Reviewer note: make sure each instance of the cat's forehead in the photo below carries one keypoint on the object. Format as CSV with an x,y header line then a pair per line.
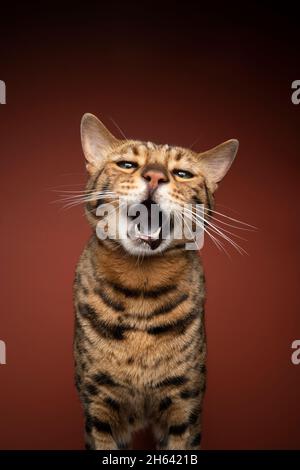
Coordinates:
x,y
152,152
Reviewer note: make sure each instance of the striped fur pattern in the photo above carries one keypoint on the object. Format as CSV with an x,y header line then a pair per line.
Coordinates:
x,y
140,348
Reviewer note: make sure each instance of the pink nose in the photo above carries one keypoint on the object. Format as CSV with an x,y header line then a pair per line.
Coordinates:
x,y
154,178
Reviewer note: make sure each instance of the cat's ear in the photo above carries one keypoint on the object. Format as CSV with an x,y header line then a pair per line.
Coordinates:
x,y
216,162
96,141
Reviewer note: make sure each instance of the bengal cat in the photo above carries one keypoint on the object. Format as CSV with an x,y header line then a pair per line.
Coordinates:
x,y
140,343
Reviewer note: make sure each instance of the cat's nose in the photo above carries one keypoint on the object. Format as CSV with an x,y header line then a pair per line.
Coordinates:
x,y
154,178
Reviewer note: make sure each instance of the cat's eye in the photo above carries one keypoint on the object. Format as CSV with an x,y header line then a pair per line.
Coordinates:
x,y
127,165
183,174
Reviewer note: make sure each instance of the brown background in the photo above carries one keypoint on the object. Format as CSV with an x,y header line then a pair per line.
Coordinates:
x,y
170,76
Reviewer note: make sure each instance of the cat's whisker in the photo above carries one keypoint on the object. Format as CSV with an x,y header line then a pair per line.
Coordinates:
x,y
180,217
217,242
77,193
95,194
194,143
186,225
82,198
119,128
85,195
228,239
69,190
82,191
59,188
200,220
211,217
78,203
215,225
228,208
234,220
137,259
228,231
108,214
85,199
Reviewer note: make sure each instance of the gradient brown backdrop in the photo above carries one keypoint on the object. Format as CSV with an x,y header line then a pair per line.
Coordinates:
x,y
171,76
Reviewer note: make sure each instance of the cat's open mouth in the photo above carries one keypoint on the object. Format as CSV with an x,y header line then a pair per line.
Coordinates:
x,y
149,225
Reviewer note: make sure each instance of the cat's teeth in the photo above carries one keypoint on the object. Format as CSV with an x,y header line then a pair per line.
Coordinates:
x,y
156,233
136,231
139,234
145,236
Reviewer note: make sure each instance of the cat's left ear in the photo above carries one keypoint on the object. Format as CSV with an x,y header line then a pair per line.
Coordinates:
x,y
96,141
216,162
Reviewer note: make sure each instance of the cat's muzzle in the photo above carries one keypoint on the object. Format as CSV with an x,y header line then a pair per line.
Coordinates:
x,y
150,225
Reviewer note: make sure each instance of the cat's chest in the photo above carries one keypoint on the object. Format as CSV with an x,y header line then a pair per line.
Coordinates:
x,y
141,360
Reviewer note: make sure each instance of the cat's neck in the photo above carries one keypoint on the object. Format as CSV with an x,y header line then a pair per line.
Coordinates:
x,y
115,265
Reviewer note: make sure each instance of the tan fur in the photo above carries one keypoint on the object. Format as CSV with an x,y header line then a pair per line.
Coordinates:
x,y
140,338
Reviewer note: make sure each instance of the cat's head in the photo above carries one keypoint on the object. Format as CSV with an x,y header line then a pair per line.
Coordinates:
x,y
134,172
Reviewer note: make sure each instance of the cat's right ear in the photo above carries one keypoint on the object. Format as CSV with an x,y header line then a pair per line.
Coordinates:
x,y
96,141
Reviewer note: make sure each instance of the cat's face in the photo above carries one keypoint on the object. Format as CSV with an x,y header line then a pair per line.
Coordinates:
x,y
156,176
